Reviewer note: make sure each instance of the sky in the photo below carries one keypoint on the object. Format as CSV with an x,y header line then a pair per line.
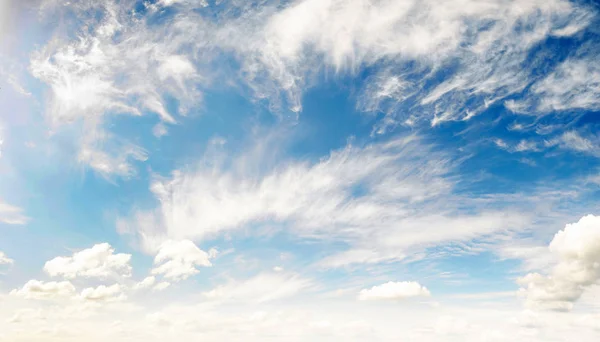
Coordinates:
x,y
308,170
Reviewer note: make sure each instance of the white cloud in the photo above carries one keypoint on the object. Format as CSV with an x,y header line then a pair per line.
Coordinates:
x,y
5,260
107,164
121,63
160,130
405,200
25,315
577,248
100,261
572,140
484,42
574,85
103,293
9,214
35,289
264,287
394,291
145,283
119,66
161,286
178,260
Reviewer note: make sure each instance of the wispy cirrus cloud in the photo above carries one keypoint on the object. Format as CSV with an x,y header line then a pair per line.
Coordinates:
x,y
10,214
123,64
382,200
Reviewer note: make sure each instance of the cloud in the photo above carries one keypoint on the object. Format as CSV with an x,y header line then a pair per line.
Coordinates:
x,y
118,65
382,199
26,315
264,287
103,293
577,248
35,289
5,260
573,85
178,260
163,285
394,291
316,195
118,62
482,47
160,130
10,214
145,283
99,261
571,140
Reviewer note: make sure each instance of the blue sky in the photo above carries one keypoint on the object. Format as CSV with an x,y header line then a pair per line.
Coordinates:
x,y
310,170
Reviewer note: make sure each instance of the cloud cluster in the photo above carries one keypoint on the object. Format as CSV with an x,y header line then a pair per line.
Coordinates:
x,y
483,45
35,289
577,248
103,293
99,261
428,62
178,260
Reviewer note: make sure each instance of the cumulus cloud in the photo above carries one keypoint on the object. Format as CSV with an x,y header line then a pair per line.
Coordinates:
x,y
9,214
178,260
577,248
394,291
145,283
35,289
264,287
99,261
5,260
103,293
163,285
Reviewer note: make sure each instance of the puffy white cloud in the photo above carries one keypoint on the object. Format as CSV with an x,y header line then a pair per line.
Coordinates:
x,y
394,291
577,248
35,289
145,283
99,261
264,287
163,285
9,214
178,260
103,293
5,260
